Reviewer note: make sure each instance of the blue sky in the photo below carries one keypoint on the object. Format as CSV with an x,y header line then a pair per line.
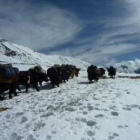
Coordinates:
x,y
98,31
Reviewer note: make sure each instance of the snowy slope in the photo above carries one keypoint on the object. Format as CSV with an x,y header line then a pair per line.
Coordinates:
x,y
28,57
77,110
106,110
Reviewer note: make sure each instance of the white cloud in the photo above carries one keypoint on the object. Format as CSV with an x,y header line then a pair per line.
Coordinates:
x,y
114,40
48,26
38,28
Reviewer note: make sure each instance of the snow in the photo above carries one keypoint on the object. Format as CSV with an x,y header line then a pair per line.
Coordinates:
x,y
131,66
5,59
105,110
29,57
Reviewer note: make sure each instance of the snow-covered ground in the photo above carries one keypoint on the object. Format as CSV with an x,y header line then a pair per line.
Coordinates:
x,y
77,110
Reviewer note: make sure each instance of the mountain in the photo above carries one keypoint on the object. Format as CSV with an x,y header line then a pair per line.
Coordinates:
x,y
128,66
76,110
19,55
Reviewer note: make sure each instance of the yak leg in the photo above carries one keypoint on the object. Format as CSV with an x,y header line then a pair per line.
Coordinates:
x,y
52,85
27,86
40,83
2,98
19,89
12,90
10,93
36,86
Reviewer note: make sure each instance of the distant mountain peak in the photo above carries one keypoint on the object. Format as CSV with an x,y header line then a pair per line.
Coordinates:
x,y
128,66
2,40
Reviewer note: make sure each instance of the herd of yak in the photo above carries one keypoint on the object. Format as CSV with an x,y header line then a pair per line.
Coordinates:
x,y
11,78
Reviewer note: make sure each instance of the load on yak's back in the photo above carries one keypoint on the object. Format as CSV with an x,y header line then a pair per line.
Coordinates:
x,y
7,76
6,72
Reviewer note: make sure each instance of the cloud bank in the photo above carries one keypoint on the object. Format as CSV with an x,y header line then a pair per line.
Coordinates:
x,y
37,26
119,36
96,31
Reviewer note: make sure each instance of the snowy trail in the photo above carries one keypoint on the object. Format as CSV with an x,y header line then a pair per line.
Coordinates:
x,y
106,110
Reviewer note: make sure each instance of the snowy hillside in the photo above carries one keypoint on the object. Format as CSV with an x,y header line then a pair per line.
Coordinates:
x,y
105,110
19,55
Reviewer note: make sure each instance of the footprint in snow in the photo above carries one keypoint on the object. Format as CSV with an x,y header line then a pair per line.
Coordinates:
x,y
48,137
83,139
19,113
127,92
23,119
70,109
14,136
41,110
113,136
134,106
27,125
126,126
113,107
91,123
97,104
114,113
81,108
8,116
99,116
38,126
47,114
104,96
85,112
90,133
110,137
53,132
94,98
121,126
79,104
90,108
30,137
83,120
77,119
96,108
127,108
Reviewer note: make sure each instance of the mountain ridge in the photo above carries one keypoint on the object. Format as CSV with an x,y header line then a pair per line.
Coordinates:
x,y
17,54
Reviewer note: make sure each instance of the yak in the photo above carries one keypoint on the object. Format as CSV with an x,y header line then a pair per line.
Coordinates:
x,y
102,72
55,75
32,77
8,77
93,73
111,71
